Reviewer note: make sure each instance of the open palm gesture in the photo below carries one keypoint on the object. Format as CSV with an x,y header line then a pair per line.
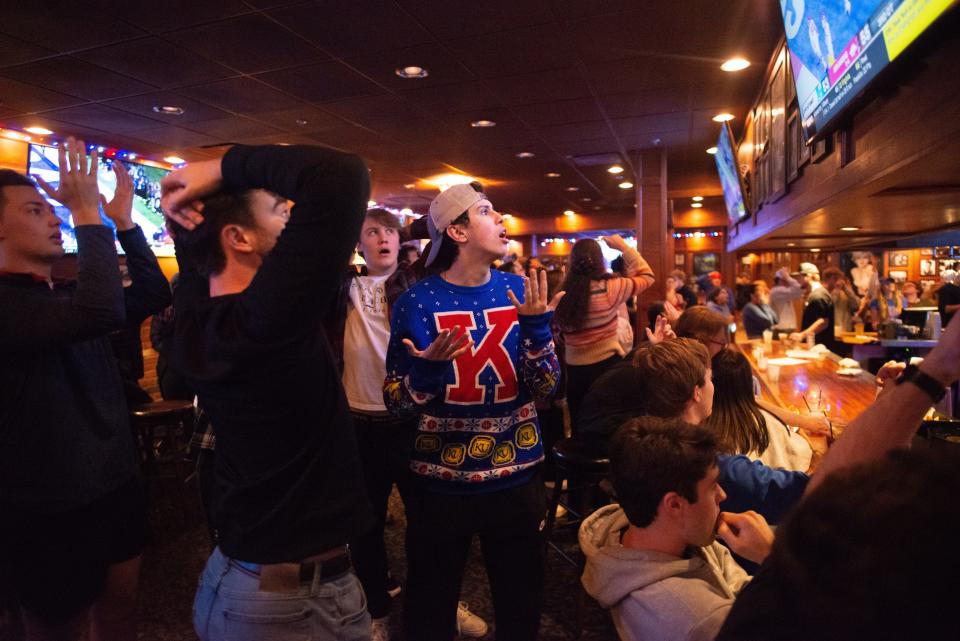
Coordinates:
x,y
120,209
535,295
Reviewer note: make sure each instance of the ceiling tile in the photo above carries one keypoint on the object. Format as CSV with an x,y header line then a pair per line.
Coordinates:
x,y
156,62
314,119
576,131
101,117
14,51
559,112
157,17
376,109
524,50
67,27
334,27
653,125
19,97
76,78
455,20
250,44
323,82
539,87
233,128
242,96
174,138
143,105
453,99
643,103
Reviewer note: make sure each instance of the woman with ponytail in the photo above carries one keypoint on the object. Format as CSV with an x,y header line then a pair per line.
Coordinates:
x,y
588,314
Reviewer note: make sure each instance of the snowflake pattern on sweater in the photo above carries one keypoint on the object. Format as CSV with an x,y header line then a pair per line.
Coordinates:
x,y
478,427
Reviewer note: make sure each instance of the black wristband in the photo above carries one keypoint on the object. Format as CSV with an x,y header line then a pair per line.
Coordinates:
x,y
925,382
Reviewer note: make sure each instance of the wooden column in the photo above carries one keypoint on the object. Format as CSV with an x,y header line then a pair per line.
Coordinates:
x,y
654,241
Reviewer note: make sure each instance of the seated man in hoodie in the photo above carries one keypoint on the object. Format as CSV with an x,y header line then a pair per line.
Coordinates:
x,y
654,559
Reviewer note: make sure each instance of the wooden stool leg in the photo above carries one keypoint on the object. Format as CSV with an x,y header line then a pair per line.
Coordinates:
x,y
558,479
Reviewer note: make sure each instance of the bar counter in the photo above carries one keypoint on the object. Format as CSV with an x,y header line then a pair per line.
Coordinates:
x,y
843,398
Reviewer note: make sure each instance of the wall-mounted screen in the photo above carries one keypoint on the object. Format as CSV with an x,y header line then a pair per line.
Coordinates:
x,y
44,162
837,47
726,159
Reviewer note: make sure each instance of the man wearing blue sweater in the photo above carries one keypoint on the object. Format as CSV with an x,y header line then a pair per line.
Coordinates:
x,y
471,359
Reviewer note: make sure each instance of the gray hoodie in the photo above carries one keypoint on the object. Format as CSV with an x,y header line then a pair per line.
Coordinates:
x,y
654,595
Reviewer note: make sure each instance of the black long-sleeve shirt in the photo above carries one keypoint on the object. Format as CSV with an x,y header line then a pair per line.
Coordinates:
x,y
64,427
287,471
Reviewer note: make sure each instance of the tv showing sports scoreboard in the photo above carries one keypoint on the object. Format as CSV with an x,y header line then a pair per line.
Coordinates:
x,y
730,179
44,162
837,47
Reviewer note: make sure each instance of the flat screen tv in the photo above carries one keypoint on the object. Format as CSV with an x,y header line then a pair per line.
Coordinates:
x,y
730,179
837,47
44,162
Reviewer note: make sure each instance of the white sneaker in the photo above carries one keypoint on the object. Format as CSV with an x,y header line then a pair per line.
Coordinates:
x,y
380,629
468,623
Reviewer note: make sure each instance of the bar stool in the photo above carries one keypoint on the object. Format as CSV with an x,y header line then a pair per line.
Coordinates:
x,y
581,463
160,428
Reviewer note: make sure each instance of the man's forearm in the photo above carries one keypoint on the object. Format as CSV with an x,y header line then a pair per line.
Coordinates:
x,y
815,328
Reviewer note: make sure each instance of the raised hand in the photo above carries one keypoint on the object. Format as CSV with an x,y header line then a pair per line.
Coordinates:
x,y
615,241
535,295
671,313
662,331
181,191
78,189
120,209
747,534
447,346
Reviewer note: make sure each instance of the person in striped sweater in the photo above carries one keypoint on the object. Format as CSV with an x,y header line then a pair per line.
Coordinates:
x,y
589,314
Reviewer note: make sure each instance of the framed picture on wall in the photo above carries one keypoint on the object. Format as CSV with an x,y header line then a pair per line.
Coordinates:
x,y
679,259
898,275
928,267
898,259
705,262
947,263
926,251
793,143
778,133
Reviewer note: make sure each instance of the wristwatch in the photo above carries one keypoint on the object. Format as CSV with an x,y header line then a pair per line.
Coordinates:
x,y
927,383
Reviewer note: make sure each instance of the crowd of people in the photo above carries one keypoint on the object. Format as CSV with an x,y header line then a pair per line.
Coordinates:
x,y
322,387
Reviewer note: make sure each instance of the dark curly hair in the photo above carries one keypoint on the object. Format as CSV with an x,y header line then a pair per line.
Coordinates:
x,y
202,244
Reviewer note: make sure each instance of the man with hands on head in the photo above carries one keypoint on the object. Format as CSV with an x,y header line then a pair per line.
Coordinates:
x,y
255,281
73,509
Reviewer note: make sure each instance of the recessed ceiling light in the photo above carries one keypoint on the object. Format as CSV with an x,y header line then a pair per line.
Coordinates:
x,y
697,199
791,244
525,154
406,211
410,186
615,169
101,149
301,121
712,150
168,110
735,64
482,124
412,71
40,131
371,203
851,228
815,250
573,189
625,185
724,117
552,174
174,160
586,199
568,212
131,156
695,205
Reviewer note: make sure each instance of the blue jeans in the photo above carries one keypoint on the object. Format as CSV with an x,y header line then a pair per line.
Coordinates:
x,y
229,606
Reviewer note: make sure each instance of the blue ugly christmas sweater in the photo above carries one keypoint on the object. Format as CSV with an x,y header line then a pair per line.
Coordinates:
x,y
478,428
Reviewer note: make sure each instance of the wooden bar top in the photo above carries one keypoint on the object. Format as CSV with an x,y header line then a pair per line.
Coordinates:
x,y
843,397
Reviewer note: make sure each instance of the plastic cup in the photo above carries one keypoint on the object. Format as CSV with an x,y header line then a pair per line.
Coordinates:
x,y
773,372
768,337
